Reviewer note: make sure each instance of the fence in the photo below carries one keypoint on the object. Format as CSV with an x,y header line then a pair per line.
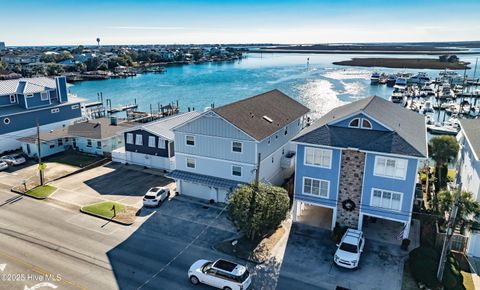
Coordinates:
x,y
458,242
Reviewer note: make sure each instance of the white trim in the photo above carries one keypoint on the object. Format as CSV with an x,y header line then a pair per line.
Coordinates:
x,y
14,98
362,112
43,107
194,163
391,198
55,110
29,96
241,171
186,140
323,152
6,121
131,140
241,147
45,93
469,143
214,159
150,145
320,181
351,126
382,217
404,177
366,119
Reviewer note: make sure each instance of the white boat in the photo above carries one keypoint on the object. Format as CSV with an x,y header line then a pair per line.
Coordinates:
x,y
398,97
420,78
375,78
427,107
454,108
444,130
401,83
391,80
429,119
474,111
426,91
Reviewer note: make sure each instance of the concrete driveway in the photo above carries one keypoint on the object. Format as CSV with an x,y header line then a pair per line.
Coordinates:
x,y
113,181
309,258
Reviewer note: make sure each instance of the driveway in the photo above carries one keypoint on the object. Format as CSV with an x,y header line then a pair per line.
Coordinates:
x,y
308,259
113,181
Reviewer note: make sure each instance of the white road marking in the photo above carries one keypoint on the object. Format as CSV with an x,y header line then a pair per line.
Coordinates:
x,y
40,285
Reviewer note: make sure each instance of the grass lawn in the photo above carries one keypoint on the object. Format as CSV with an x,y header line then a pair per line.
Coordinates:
x,y
467,281
104,208
41,191
73,158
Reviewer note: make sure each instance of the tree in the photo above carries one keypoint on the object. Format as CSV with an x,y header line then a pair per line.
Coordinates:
x,y
271,206
442,150
3,65
468,207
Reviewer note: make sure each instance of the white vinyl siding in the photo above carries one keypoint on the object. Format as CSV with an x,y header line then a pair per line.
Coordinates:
x,y
386,199
390,167
318,157
316,187
151,141
190,163
236,170
138,139
129,138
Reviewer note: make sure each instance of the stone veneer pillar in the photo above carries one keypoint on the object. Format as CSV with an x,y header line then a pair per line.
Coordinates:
x,y
350,186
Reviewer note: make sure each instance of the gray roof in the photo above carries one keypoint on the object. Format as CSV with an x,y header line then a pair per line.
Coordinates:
x,y
204,179
98,129
248,114
33,85
407,126
163,127
471,129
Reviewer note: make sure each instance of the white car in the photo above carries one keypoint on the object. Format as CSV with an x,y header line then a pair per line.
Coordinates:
x,y
13,159
220,274
349,249
3,165
155,195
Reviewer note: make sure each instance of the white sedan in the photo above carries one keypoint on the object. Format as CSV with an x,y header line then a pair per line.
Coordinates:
x,y
155,196
3,165
13,159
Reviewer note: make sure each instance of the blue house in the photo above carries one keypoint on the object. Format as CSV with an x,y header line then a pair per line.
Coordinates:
x,y
359,162
24,102
223,147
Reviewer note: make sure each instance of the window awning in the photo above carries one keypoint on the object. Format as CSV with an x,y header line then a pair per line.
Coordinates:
x,y
204,179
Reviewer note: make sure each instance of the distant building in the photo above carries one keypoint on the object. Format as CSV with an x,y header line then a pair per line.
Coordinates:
x,y
2,45
152,145
98,136
20,59
24,102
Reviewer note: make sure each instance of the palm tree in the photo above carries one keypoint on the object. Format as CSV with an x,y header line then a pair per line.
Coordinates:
x,y
442,150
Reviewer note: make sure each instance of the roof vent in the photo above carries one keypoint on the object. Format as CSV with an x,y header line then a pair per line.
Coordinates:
x,y
268,119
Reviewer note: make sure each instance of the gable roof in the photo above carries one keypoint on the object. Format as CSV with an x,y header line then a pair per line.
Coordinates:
x,y
163,127
26,85
406,124
471,129
262,115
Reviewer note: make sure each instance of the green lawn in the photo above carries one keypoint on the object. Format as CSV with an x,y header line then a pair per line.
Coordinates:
x,y
104,208
41,191
73,158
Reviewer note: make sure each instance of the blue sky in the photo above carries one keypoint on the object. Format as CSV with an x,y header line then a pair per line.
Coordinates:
x,y
52,22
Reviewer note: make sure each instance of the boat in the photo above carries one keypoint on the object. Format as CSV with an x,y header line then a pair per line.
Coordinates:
x,y
375,78
383,79
391,80
400,83
420,78
428,107
429,119
398,97
446,92
426,91
445,129
474,111
453,108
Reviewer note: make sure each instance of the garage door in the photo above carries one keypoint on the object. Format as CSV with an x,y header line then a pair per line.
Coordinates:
x,y
195,190
223,195
137,158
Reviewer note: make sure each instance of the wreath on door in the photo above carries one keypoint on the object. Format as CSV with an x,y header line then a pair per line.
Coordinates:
x,y
348,205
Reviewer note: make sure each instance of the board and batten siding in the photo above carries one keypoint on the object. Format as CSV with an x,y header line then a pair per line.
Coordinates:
x,y
330,174
469,169
406,187
278,139
145,149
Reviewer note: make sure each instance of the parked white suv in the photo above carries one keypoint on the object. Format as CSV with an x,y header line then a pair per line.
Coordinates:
x,y
349,249
155,195
220,274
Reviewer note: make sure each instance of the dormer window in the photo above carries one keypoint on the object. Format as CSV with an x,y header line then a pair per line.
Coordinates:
x,y
366,124
355,123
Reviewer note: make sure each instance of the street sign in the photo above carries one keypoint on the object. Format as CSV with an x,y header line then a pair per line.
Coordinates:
x,y
42,166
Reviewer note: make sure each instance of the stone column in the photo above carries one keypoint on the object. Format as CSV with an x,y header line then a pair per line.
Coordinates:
x,y
350,188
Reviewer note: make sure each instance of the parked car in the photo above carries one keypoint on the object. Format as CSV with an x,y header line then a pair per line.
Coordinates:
x,y
3,165
13,159
349,249
155,196
220,274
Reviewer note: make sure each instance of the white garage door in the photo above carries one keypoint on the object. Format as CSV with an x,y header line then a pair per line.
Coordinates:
x,y
195,190
223,195
474,245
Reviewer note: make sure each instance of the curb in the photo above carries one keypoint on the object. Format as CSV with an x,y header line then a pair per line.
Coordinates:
x,y
28,195
105,218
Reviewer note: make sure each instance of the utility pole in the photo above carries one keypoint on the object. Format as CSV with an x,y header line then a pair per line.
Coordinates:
x,y
255,188
40,167
427,175
449,234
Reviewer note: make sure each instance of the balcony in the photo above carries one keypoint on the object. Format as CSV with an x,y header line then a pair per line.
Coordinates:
x,y
288,160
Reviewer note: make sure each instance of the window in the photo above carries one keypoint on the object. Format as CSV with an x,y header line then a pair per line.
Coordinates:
x,y
6,121
129,138
318,157
237,146
390,167
74,107
386,199
286,131
151,141
29,95
13,99
316,187
138,139
89,143
366,124
355,123
269,141
99,144
161,143
44,96
52,145
60,142
56,110
190,140
236,170
190,163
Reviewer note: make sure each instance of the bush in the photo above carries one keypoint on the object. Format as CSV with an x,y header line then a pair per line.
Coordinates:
x,y
423,264
338,232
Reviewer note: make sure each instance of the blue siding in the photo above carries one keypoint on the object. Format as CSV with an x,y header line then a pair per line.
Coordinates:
x,y
27,119
5,100
145,149
21,100
375,125
318,173
406,187
36,101
62,89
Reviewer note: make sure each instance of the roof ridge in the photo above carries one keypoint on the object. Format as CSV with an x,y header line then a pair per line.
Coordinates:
x,y
248,98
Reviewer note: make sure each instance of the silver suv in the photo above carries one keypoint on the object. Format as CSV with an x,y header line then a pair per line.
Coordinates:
x,y
349,249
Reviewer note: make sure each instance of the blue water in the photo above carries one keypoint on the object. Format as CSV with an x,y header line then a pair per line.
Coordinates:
x,y
320,85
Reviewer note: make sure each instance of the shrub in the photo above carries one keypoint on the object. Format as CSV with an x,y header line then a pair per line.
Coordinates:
x,y
338,232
